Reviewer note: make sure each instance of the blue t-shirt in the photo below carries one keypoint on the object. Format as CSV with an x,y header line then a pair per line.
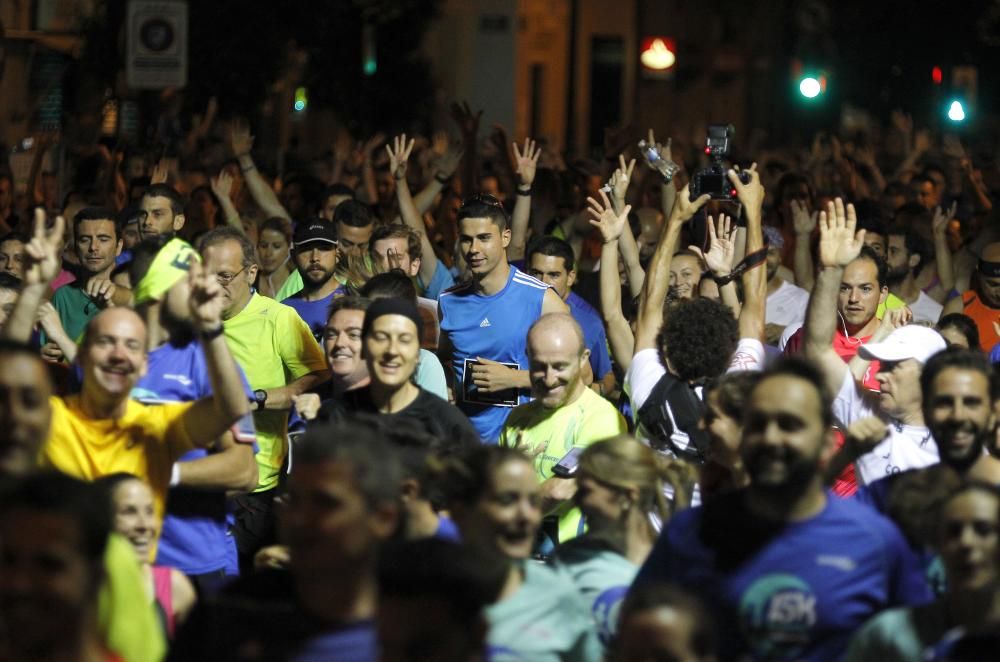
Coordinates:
x,y
314,313
440,281
447,530
353,643
787,590
593,334
195,538
493,327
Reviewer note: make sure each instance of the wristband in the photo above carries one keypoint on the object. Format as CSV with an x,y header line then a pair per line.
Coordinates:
x,y
525,193
723,280
211,334
441,179
175,474
248,168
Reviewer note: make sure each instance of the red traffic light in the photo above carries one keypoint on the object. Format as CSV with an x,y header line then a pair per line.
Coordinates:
x,y
936,75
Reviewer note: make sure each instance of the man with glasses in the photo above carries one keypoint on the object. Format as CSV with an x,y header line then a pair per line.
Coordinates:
x,y
281,359
484,322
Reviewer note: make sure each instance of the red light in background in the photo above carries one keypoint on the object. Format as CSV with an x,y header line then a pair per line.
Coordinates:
x,y
936,75
658,54
708,150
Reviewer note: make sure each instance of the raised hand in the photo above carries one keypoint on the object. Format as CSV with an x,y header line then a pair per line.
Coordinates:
x,y
921,141
605,219
399,153
750,194
721,246
446,164
838,242
160,172
240,139
865,434
526,161
902,122
662,148
620,179
467,121
42,252
207,298
685,207
803,222
942,218
368,148
222,185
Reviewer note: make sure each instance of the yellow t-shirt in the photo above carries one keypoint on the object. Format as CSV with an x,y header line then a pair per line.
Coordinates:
x,y
588,419
274,346
892,302
146,441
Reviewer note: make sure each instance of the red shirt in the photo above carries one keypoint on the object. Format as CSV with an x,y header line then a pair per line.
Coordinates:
x,y
846,347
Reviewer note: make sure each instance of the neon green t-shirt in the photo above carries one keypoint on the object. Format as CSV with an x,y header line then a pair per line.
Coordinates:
x,y
588,419
292,285
126,619
274,347
892,302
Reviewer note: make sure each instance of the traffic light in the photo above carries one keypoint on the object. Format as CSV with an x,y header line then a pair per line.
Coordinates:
x,y
301,99
812,86
956,111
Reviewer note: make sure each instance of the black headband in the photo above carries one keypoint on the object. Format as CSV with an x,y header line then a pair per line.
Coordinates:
x,y
392,306
989,269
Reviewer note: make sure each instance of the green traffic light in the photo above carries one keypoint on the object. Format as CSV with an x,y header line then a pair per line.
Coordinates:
x,y
956,111
810,87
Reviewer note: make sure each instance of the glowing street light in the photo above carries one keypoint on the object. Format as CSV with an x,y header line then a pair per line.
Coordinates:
x,y
658,55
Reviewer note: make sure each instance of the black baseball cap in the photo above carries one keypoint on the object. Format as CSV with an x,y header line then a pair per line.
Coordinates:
x,y
315,229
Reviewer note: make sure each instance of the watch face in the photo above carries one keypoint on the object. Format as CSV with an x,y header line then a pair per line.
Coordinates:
x,y
260,395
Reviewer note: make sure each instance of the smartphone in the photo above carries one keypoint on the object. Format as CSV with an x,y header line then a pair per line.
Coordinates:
x,y
566,467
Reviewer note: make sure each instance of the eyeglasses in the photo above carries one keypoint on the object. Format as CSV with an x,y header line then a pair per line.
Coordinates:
x,y
226,279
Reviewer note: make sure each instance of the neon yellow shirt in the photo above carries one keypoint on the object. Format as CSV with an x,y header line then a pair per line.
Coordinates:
x,y
126,619
274,347
146,441
892,302
588,419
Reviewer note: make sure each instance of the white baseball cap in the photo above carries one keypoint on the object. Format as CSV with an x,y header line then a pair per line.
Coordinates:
x,y
912,341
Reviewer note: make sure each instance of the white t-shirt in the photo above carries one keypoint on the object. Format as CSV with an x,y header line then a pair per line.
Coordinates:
x,y
926,309
787,305
906,447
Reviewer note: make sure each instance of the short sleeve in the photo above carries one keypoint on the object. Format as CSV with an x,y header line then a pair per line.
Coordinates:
x,y
440,281
430,375
849,404
296,345
645,371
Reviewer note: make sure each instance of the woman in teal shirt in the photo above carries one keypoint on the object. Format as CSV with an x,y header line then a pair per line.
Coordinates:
x,y
495,500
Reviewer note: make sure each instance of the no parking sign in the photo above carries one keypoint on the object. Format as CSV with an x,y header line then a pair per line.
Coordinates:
x,y
156,52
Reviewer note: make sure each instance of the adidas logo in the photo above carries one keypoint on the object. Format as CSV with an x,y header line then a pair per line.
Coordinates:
x,y
485,323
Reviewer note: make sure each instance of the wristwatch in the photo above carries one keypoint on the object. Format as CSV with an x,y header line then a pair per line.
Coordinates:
x,y
260,397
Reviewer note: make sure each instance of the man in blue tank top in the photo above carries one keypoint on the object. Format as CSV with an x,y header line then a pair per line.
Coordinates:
x,y
485,322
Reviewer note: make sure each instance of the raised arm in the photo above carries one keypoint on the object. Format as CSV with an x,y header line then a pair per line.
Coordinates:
x,y
942,256
612,223
752,314
719,259
241,142
468,124
527,163
399,154
804,223
619,182
838,246
654,289
668,191
42,265
444,170
210,417
221,187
